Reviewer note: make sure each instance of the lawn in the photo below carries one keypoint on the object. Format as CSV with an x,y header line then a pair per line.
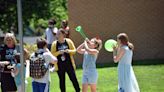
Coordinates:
x,y
150,79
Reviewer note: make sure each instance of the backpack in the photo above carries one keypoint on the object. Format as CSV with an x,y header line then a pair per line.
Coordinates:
x,y
38,66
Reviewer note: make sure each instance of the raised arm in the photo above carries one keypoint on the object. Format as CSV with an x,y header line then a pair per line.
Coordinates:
x,y
89,50
118,56
81,49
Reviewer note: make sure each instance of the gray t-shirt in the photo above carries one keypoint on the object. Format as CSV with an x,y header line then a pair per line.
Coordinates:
x,y
48,58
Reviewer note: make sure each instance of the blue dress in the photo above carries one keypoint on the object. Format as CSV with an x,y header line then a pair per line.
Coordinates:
x,y
126,78
17,78
90,74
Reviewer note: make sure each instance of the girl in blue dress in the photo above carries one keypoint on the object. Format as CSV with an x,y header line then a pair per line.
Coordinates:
x,y
123,55
90,50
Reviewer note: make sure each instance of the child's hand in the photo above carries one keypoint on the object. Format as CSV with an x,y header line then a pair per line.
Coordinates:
x,y
13,72
86,39
114,47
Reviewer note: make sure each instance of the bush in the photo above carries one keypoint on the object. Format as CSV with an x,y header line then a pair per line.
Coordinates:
x,y
31,48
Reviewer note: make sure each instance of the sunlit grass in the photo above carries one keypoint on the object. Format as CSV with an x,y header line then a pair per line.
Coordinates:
x,y
150,79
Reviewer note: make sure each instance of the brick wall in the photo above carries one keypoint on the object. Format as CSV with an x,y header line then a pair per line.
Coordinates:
x,y
142,20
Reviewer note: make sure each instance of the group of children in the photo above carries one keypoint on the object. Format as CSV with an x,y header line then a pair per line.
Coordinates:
x,y
122,54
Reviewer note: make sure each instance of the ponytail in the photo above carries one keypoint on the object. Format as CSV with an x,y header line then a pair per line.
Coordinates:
x,y
131,46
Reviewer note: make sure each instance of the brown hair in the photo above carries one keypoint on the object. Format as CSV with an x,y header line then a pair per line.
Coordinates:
x,y
98,43
65,22
52,21
41,43
123,37
62,31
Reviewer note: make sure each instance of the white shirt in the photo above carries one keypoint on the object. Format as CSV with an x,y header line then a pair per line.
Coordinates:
x,y
48,58
50,36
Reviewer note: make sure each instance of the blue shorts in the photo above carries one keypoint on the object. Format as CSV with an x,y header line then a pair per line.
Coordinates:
x,y
40,87
89,76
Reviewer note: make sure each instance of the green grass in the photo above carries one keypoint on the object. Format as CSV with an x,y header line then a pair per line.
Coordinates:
x,y
150,79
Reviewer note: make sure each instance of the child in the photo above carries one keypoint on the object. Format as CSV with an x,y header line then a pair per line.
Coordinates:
x,y
123,54
17,68
90,49
41,84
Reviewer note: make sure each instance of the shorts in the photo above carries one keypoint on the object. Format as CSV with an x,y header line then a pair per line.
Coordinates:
x,y
89,76
40,87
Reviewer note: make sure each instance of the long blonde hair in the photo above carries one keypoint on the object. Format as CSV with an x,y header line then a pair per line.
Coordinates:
x,y
10,35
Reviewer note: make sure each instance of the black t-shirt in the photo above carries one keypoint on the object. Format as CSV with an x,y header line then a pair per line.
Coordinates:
x,y
7,54
65,57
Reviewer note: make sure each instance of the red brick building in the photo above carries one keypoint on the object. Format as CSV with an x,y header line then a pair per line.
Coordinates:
x,y
142,20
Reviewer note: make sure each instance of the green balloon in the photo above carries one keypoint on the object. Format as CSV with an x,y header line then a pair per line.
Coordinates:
x,y
78,28
109,44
